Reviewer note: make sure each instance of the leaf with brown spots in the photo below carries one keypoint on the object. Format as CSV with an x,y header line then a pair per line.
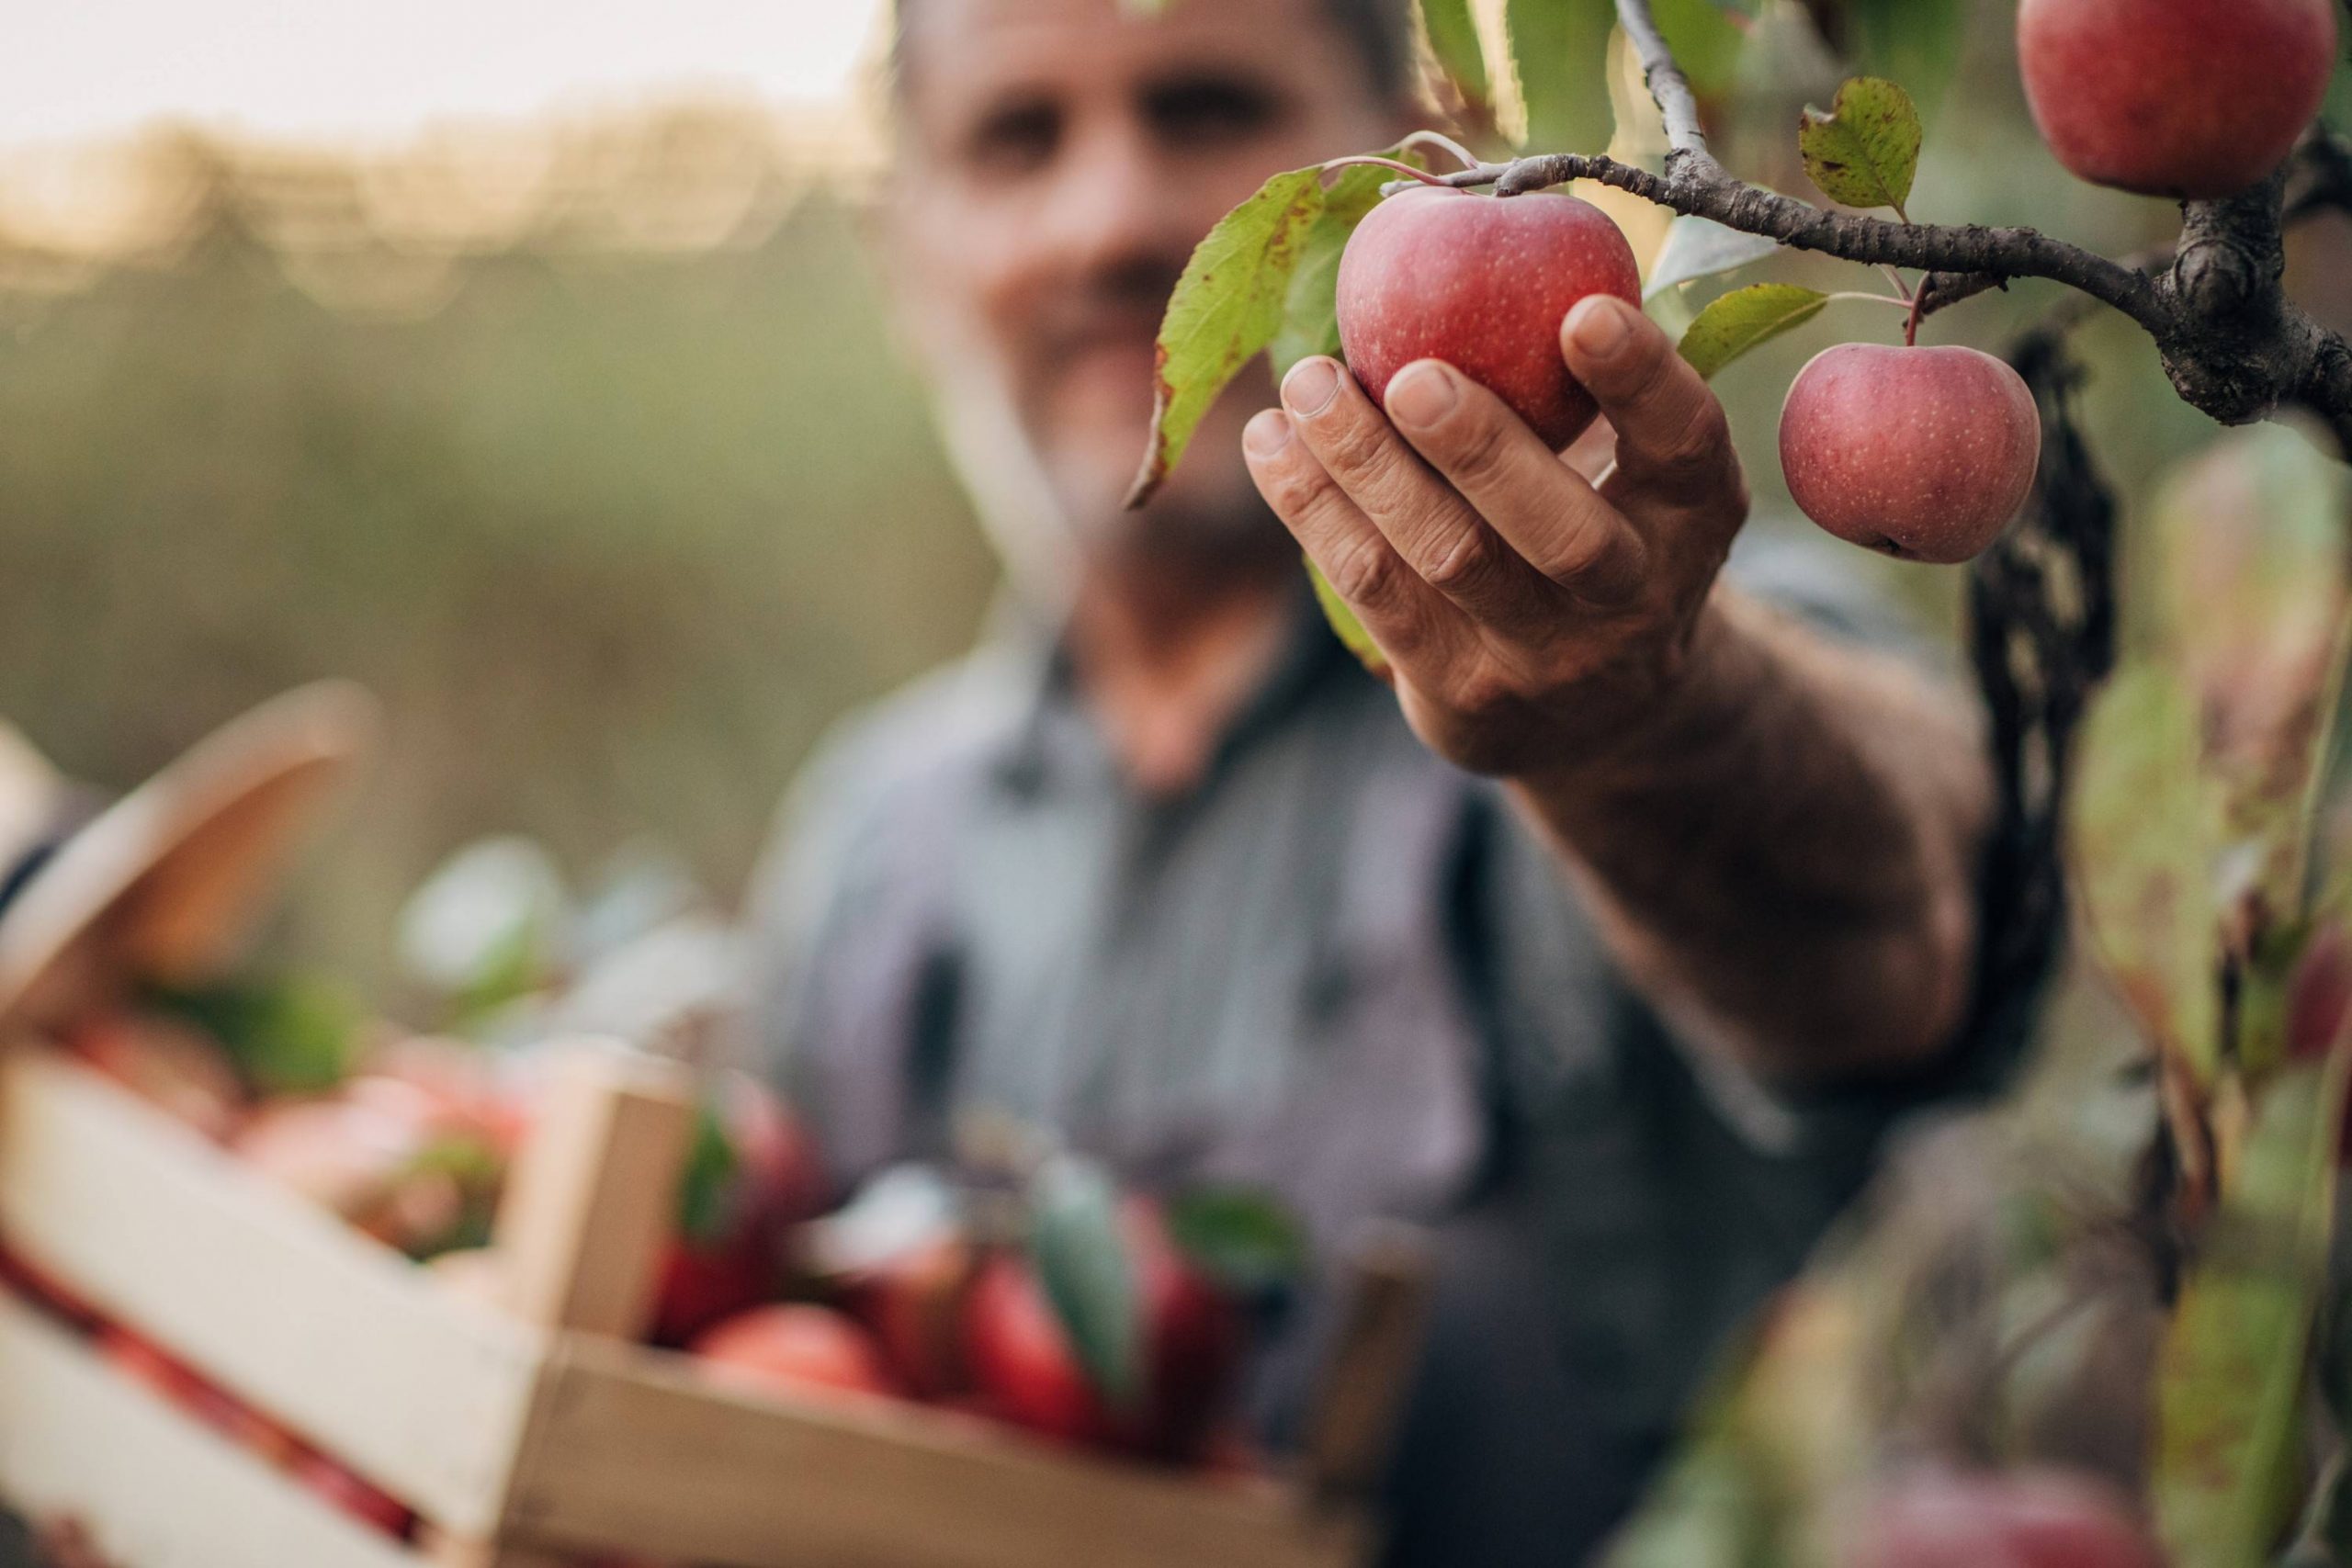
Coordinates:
x,y
1864,152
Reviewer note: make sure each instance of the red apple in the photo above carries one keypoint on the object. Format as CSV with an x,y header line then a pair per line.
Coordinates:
x,y
796,1347
914,1304
2189,99
1483,283
1024,1365
388,1157
1923,453
1941,1518
172,1066
753,1174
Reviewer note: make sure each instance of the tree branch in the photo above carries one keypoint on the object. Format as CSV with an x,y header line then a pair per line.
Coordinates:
x,y
2235,346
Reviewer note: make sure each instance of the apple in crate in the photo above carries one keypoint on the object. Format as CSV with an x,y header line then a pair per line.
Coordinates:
x,y
753,1174
796,1347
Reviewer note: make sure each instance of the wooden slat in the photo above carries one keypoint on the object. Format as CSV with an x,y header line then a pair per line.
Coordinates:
x,y
152,1486
1362,1391
332,1335
637,1452
593,1197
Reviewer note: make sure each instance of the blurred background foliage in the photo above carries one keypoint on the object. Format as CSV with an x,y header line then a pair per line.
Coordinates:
x,y
584,443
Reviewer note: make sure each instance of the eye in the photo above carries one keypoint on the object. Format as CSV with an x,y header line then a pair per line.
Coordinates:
x,y
1014,138
1193,111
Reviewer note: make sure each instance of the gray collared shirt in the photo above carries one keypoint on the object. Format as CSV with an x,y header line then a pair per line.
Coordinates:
x,y
1336,966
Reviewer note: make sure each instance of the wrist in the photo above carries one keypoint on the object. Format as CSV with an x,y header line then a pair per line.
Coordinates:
x,y
1695,705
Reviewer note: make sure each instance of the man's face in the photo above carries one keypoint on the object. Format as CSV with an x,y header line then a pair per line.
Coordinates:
x,y
1059,160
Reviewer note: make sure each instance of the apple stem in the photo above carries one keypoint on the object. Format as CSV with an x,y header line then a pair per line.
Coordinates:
x,y
1911,321
1375,161
1444,143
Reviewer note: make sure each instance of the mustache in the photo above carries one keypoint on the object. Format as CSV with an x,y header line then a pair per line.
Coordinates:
x,y
1117,304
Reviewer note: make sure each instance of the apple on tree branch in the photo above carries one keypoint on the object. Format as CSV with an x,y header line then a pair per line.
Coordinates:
x,y
2234,345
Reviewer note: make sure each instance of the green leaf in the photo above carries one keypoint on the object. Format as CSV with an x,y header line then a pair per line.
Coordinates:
x,y
2143,827
1243,1237
1452,34
1227,308
706,1183
1917,42
1559,51
1700,247
2232,1372
1310,321
1865,150
1343,622
285,1036
1082,1260
1706,43
1732,325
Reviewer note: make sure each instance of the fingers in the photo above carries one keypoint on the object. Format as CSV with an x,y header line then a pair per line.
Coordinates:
x,y
1671,433
1428,522
1546,510
1404,613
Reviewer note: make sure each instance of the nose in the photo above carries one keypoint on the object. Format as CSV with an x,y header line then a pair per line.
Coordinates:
x,y
1114,204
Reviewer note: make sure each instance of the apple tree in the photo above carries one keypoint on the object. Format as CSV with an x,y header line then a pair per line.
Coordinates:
x,y
2105,1324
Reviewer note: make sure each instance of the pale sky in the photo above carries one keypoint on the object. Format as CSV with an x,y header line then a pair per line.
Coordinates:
x,y
376,69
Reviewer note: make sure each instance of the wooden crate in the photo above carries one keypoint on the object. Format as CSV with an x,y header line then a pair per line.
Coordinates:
x,y
531,1429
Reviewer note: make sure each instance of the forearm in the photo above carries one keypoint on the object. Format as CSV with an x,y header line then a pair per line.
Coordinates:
x,y
1782,855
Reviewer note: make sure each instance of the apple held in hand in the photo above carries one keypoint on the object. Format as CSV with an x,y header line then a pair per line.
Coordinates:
x,y
1943,1518
1483,283
2195,99
1923,453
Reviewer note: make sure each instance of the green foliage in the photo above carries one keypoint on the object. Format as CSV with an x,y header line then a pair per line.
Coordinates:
x,y
1559,51
2228,1467
1864,152
2144,826
1088,1274
1699,247
1261,279
1343,622
1243,1237
1740,320
286,1036
1452,34
1310,323
1705,41
1916,42
705,1184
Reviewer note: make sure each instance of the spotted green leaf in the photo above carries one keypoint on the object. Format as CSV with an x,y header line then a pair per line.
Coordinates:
x,y
1864,152
1310,323
1227,306
2228,1462
1740,320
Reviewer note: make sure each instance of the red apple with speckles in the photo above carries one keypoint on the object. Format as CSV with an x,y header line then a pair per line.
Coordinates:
x,y
1936,1517
1922,452
1483,283
2187,98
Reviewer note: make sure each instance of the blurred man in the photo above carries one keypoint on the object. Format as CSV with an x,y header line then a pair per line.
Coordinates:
x,y
1612,938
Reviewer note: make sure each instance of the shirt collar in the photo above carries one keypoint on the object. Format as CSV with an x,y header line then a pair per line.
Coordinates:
x,y
1054,735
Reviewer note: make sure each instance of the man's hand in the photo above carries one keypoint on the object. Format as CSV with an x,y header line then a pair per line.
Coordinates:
x,y
1533,619
1777,834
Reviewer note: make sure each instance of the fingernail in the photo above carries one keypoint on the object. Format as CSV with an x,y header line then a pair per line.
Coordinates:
x,y
1310,387
1421,395
1598,326
1266,434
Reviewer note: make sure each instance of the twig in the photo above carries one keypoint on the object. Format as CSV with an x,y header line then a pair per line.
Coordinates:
x,y
2235,346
